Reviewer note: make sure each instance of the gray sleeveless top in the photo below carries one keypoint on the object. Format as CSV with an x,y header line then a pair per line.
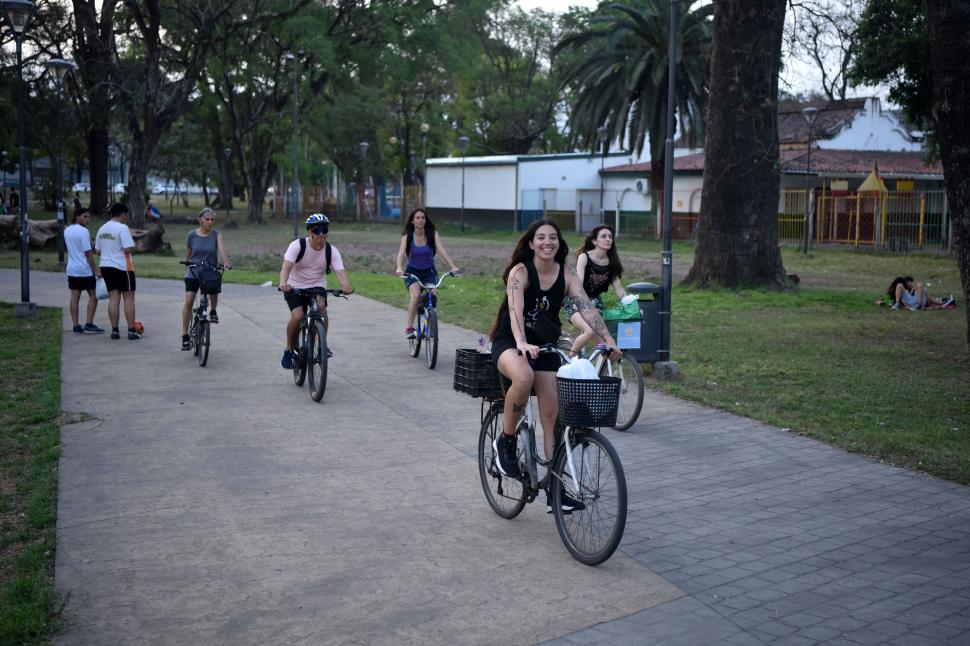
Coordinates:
x,y
205,249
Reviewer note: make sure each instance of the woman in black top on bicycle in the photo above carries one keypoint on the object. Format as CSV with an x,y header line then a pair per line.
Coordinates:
x,y
598,266
536,281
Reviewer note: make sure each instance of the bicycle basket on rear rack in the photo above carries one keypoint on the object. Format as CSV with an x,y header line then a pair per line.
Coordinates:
x,y
476,374
588,402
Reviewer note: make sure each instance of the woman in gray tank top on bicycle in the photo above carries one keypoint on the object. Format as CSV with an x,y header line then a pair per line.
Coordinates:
x,y
420,243
203,244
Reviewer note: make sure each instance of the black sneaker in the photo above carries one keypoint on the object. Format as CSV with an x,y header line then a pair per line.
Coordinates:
x,y
287,360
506,457
329,353
567,502
115,334
78,329
213,317
186,342
133,336
91,328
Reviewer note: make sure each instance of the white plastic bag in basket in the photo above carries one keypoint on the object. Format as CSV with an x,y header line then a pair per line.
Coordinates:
x,y
629,298
578,368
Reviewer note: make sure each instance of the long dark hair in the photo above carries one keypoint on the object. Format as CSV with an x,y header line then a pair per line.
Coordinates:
x,y
409,231
615,266
896,281
523,253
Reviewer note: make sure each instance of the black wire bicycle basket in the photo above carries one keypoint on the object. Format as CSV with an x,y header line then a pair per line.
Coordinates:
x,y
476,374
588,403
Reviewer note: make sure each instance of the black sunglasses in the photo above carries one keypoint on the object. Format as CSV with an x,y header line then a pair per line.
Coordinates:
x,y
319,230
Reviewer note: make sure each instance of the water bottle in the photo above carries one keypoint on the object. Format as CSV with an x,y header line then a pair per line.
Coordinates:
x,y
483,345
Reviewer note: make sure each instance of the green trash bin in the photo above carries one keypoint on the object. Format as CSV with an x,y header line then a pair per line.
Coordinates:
x,y
640,338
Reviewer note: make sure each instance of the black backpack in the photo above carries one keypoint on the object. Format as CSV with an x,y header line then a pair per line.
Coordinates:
x,y
300,255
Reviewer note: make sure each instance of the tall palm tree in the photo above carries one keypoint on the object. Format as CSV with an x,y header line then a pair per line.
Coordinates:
x,y
618,70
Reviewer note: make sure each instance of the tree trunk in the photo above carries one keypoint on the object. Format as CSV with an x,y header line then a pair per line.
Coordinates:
x,y
949,24
138,182
737,243
98,158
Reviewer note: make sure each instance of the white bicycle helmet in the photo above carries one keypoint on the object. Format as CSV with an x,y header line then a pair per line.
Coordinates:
x,y
317,219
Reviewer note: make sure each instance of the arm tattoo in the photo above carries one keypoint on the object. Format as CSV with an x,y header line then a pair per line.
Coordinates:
x,y
591,315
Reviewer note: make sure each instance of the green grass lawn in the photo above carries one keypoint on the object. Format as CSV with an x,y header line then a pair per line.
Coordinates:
x,y
30,393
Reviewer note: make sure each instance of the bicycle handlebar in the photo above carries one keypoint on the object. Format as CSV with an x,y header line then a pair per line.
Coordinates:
x,y
194,265
547,348
315,291
430,285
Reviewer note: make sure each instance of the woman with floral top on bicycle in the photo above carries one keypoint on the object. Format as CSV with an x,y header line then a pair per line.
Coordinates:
x,y
203,245
420,243
598,267
536,281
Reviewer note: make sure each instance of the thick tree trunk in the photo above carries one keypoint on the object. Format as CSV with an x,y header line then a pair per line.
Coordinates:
x,y
138,182
949,24
737,243
98,158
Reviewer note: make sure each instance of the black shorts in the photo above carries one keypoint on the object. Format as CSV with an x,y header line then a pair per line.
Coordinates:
x,y
192,286
299,300
548,362
118,279
81,283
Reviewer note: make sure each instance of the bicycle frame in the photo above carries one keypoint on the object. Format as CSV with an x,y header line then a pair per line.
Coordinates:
x,y
528,424
427,298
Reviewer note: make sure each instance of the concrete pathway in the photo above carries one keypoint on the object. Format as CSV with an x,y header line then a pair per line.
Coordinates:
x,y
222,505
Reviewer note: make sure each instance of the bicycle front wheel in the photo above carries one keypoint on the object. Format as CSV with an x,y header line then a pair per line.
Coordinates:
x,y
414,343
202,342
299,358
431,339
593,529
506,496
317,361
631,389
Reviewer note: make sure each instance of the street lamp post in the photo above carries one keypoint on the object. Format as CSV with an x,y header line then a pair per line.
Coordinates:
x,y
810,115
297,201
666,258
19,14
463,146
601,133
362,190
59,68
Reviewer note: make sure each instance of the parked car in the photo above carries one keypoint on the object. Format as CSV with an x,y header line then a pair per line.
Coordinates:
x,y
120,188
81,187
163,188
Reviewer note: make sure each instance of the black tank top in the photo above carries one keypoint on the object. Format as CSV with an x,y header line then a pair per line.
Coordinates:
x,y
597,279
541,309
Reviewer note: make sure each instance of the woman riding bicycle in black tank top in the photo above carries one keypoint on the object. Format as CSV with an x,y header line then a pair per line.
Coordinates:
x,y
528,318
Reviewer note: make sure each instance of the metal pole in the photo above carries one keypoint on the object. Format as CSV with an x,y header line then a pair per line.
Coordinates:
x,y
463,145
808,196
57,181
666,268
297,202
24,232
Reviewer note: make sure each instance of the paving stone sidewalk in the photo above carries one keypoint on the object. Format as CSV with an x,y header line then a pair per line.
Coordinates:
x,y
738,533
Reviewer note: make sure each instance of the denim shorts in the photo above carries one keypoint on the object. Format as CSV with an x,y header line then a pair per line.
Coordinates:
x,y
428,275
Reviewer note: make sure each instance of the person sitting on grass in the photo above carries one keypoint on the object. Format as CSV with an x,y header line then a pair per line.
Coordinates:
x,y
906,294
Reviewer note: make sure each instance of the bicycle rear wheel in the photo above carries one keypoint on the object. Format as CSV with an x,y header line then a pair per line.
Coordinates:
x,y
414,343
591,534
316,359
506,496
631,389
431,339
299,358
202,342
